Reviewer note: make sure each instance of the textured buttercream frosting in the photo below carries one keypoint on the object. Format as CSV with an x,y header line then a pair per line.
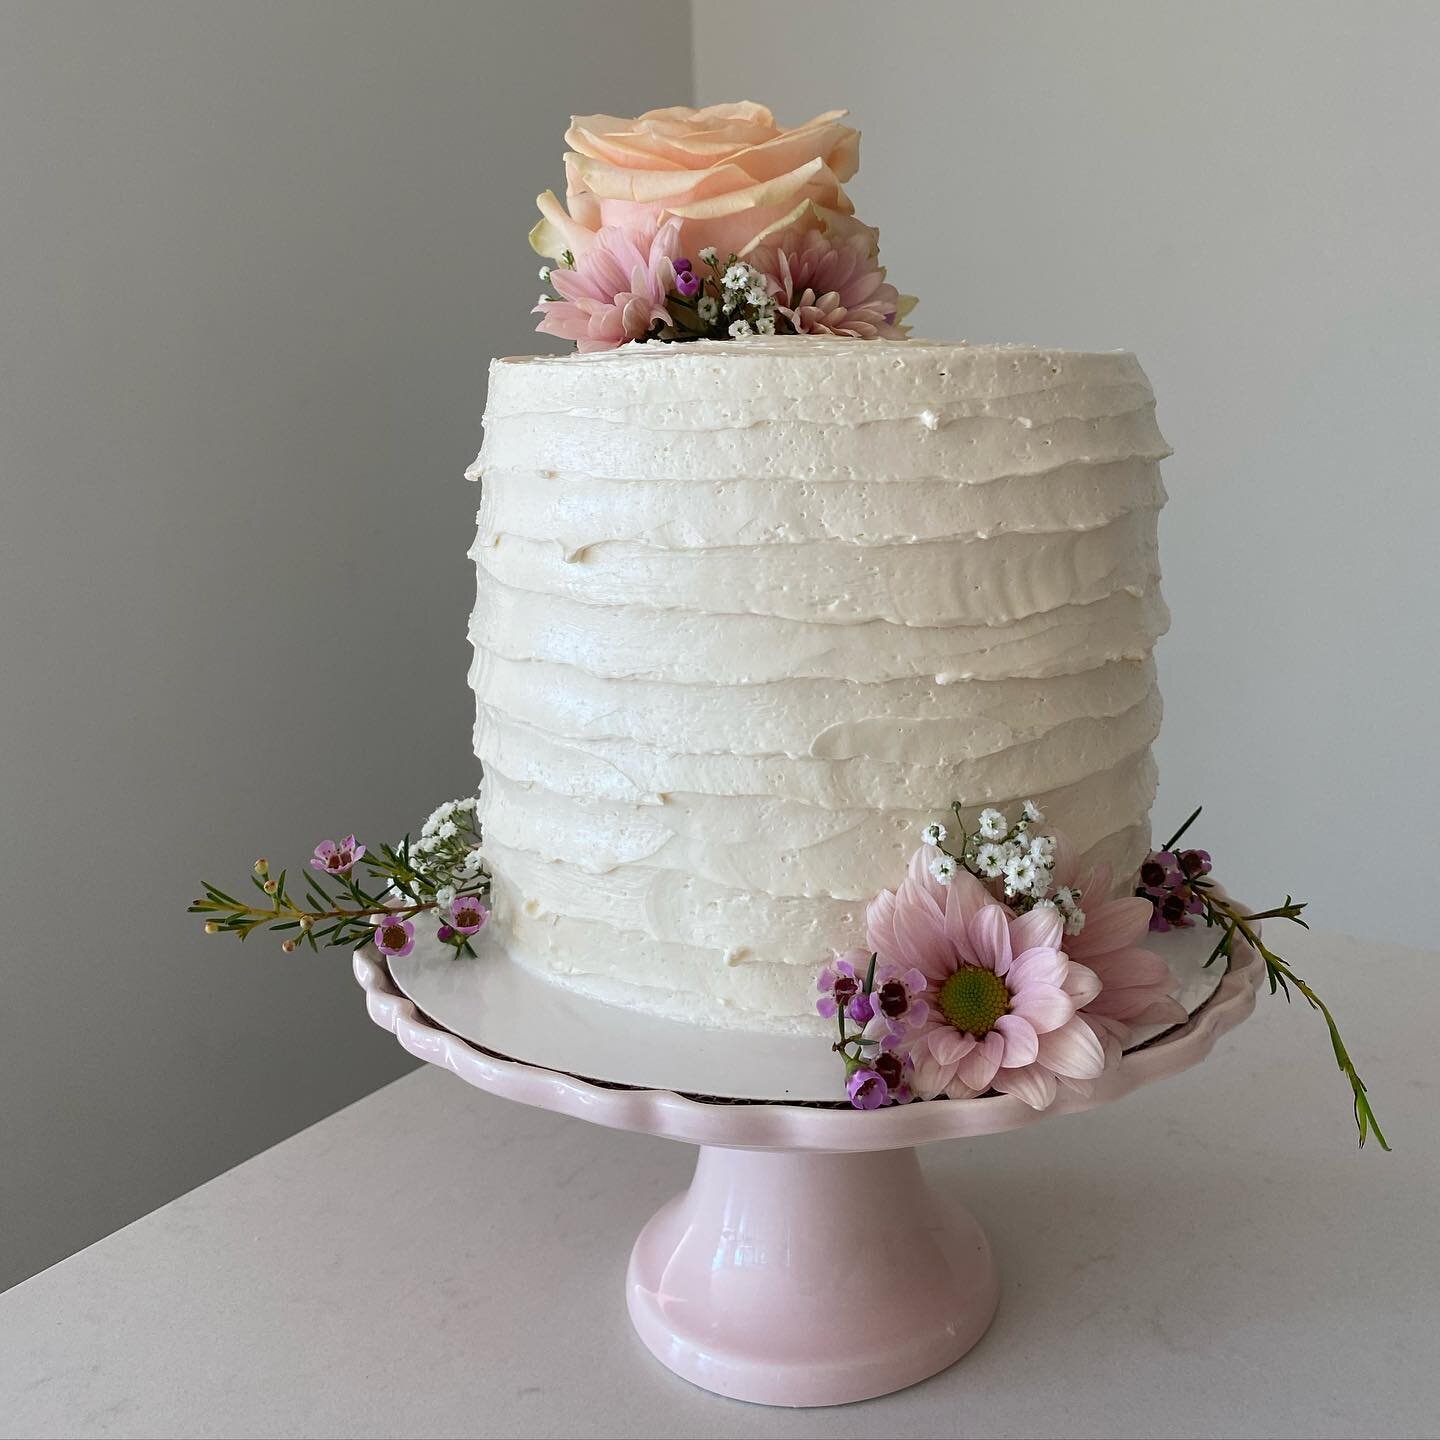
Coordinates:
x,y
750,613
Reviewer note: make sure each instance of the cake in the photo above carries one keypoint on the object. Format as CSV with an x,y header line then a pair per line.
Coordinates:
x,y
813,676
749,612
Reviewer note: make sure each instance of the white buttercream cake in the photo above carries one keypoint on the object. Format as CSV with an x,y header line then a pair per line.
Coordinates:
x,y
751,612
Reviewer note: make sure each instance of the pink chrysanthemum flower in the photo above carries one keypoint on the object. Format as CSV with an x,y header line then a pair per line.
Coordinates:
x,y
1137,987
617,289
831,287
337,858
1003,995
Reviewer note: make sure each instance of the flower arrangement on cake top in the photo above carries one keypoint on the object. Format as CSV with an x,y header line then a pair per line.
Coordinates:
x,y
716,224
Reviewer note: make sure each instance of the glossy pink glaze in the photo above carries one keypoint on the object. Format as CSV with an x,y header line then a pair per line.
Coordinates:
x,y
742,1284
797,1278
786,1126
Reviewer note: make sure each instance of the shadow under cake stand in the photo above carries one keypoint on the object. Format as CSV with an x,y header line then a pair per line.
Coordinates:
x,y
746,1284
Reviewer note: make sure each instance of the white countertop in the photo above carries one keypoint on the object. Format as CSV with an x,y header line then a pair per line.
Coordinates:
x,y
1207,1257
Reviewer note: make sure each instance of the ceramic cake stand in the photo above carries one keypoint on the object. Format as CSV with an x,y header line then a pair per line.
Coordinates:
x,y
736,1285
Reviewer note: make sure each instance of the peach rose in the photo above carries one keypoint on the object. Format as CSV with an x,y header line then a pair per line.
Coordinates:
x,y
727,172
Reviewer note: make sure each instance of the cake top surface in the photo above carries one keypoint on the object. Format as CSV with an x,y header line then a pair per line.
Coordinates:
x,y
806,348
709,383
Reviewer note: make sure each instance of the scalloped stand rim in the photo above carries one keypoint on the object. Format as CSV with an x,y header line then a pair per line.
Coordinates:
x,y
499,1004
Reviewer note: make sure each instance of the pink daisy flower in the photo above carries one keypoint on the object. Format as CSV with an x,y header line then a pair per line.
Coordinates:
x,y
1003,997
617,289
828,287
1137,987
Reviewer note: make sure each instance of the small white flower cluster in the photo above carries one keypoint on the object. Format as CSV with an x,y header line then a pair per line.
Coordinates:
x,y
446,856
1023,863
744,295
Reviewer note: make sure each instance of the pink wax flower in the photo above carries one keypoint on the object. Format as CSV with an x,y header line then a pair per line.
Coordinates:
x,y
1194,864
617,289
861,1008
1160,873
894,1067
842,982
394,936
867,1089
467,915
337,859
1136,986
1166,882
826,286
896,1005
1003,995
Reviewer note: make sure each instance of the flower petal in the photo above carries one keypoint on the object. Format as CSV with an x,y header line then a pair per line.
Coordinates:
x,y
880,926
963,900
1038,930
1032,1083
929,1077
1073,1049
977,1069
949,1045
1037,966
989,931
1112,926
1121,969
1081,984
1046,1007
1022,1044
920,935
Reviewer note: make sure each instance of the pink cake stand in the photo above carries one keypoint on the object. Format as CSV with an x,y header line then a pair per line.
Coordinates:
x,y
736,1284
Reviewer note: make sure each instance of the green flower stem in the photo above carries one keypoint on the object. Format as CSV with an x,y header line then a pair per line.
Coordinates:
x,y
1174,840
1223,912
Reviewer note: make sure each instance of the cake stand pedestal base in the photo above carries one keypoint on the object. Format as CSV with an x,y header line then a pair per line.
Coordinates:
x,y
790,1277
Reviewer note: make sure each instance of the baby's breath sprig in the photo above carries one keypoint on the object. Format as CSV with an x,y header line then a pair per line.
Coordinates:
x,y
719,300
1178,884
1015,861
441,871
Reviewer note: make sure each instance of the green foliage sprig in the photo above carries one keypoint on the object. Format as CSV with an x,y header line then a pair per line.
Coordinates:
x,y
328,905
1222,913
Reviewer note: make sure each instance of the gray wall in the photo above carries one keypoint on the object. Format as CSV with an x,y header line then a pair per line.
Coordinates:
x,y
1244,195
253,262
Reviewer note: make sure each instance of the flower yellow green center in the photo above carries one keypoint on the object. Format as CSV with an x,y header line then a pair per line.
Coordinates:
x,y
973,999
